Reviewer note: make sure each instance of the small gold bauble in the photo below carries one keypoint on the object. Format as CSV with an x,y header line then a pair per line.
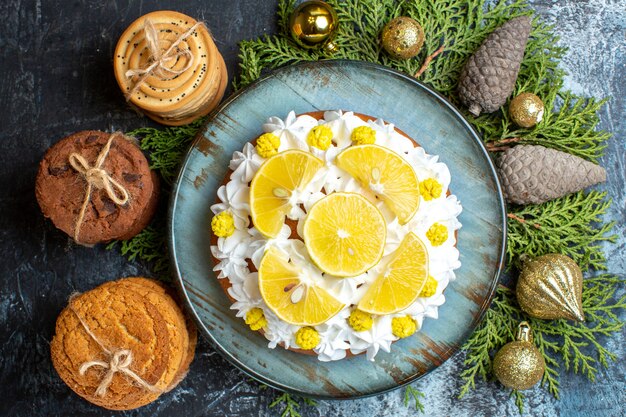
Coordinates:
x,y
403,37
519,364
526,110
550,287
313,24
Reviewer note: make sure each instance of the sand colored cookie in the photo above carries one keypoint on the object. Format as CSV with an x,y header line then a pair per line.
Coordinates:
x,y
118,319
192,333
61,189
174,319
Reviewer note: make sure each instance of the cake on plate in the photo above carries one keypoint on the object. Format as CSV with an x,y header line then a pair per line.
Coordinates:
x,y
334,234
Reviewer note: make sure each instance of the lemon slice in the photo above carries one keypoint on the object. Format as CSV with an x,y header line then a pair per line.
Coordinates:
x,y
293,299
344,234
387,174
405,276
273,185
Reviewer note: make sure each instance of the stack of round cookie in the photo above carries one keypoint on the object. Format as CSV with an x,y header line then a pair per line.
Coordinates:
x,y
123,344
167,65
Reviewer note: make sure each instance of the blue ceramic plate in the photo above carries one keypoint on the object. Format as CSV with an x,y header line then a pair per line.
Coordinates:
x,y
423,115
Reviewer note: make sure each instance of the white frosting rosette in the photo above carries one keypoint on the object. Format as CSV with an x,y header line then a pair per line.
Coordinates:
x,y
337,337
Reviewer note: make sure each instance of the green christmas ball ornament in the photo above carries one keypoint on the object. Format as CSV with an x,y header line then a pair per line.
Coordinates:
x,y
519,364
313,24
526,110
402,37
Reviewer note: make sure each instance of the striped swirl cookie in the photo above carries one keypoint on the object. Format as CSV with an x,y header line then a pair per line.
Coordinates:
x,y
186,83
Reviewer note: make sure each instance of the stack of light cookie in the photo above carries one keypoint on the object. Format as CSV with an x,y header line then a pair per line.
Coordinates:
x,y
123,344
187,74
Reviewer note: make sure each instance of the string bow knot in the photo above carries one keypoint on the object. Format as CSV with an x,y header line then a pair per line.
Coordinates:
x,y
159,58
119,361
99,178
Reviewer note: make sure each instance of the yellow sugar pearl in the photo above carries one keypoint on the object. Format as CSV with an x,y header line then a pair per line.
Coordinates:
x,y
437,234
223,224
403,326
267,145
307,338
363,135
320,137
430,188
430,288
360,320
256,319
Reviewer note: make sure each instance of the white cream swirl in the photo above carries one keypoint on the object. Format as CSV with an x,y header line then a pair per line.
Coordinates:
x,y
233,252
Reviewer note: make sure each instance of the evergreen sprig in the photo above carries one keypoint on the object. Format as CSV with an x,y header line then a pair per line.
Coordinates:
x,y
167,147
571,225
413,395
575,345
289,405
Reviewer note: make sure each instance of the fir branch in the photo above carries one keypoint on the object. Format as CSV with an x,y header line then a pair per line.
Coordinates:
x,y
578,346
567,225
167,146
150,246
495,330
413,394
519,400
283,14
290,405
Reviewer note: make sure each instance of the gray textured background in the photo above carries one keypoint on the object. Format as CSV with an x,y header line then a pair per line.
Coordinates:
x,y
57,79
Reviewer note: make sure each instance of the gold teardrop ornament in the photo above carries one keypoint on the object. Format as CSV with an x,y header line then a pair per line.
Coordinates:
x,y
519,364
550,287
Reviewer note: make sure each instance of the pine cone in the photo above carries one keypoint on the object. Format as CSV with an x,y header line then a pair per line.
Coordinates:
x,y
533,174
489,76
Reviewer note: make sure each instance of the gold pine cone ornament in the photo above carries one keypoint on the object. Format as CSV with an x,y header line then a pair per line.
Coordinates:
x,y
402,37
550,287
313,24
519,364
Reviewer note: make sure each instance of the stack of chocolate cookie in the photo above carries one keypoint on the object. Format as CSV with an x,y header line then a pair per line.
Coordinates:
x,y
123,344
168,66
97,186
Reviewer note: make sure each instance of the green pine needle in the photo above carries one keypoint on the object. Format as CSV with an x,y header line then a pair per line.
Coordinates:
x,y
519,400
570,225
414,395
149,246
578,346
167,147
289,405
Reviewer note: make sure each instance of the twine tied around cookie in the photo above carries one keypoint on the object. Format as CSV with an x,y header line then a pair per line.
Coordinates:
x,y
119,362
97,177
160,58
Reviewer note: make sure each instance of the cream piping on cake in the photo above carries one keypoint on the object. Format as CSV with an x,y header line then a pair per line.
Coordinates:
x,y
336,336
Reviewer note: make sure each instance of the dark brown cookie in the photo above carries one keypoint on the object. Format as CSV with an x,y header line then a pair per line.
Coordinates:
x,y
61,189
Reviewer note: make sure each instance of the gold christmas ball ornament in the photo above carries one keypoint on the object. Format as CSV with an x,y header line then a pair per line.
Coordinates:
x,y
313,24
526,110
403,37
550,287
519,364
